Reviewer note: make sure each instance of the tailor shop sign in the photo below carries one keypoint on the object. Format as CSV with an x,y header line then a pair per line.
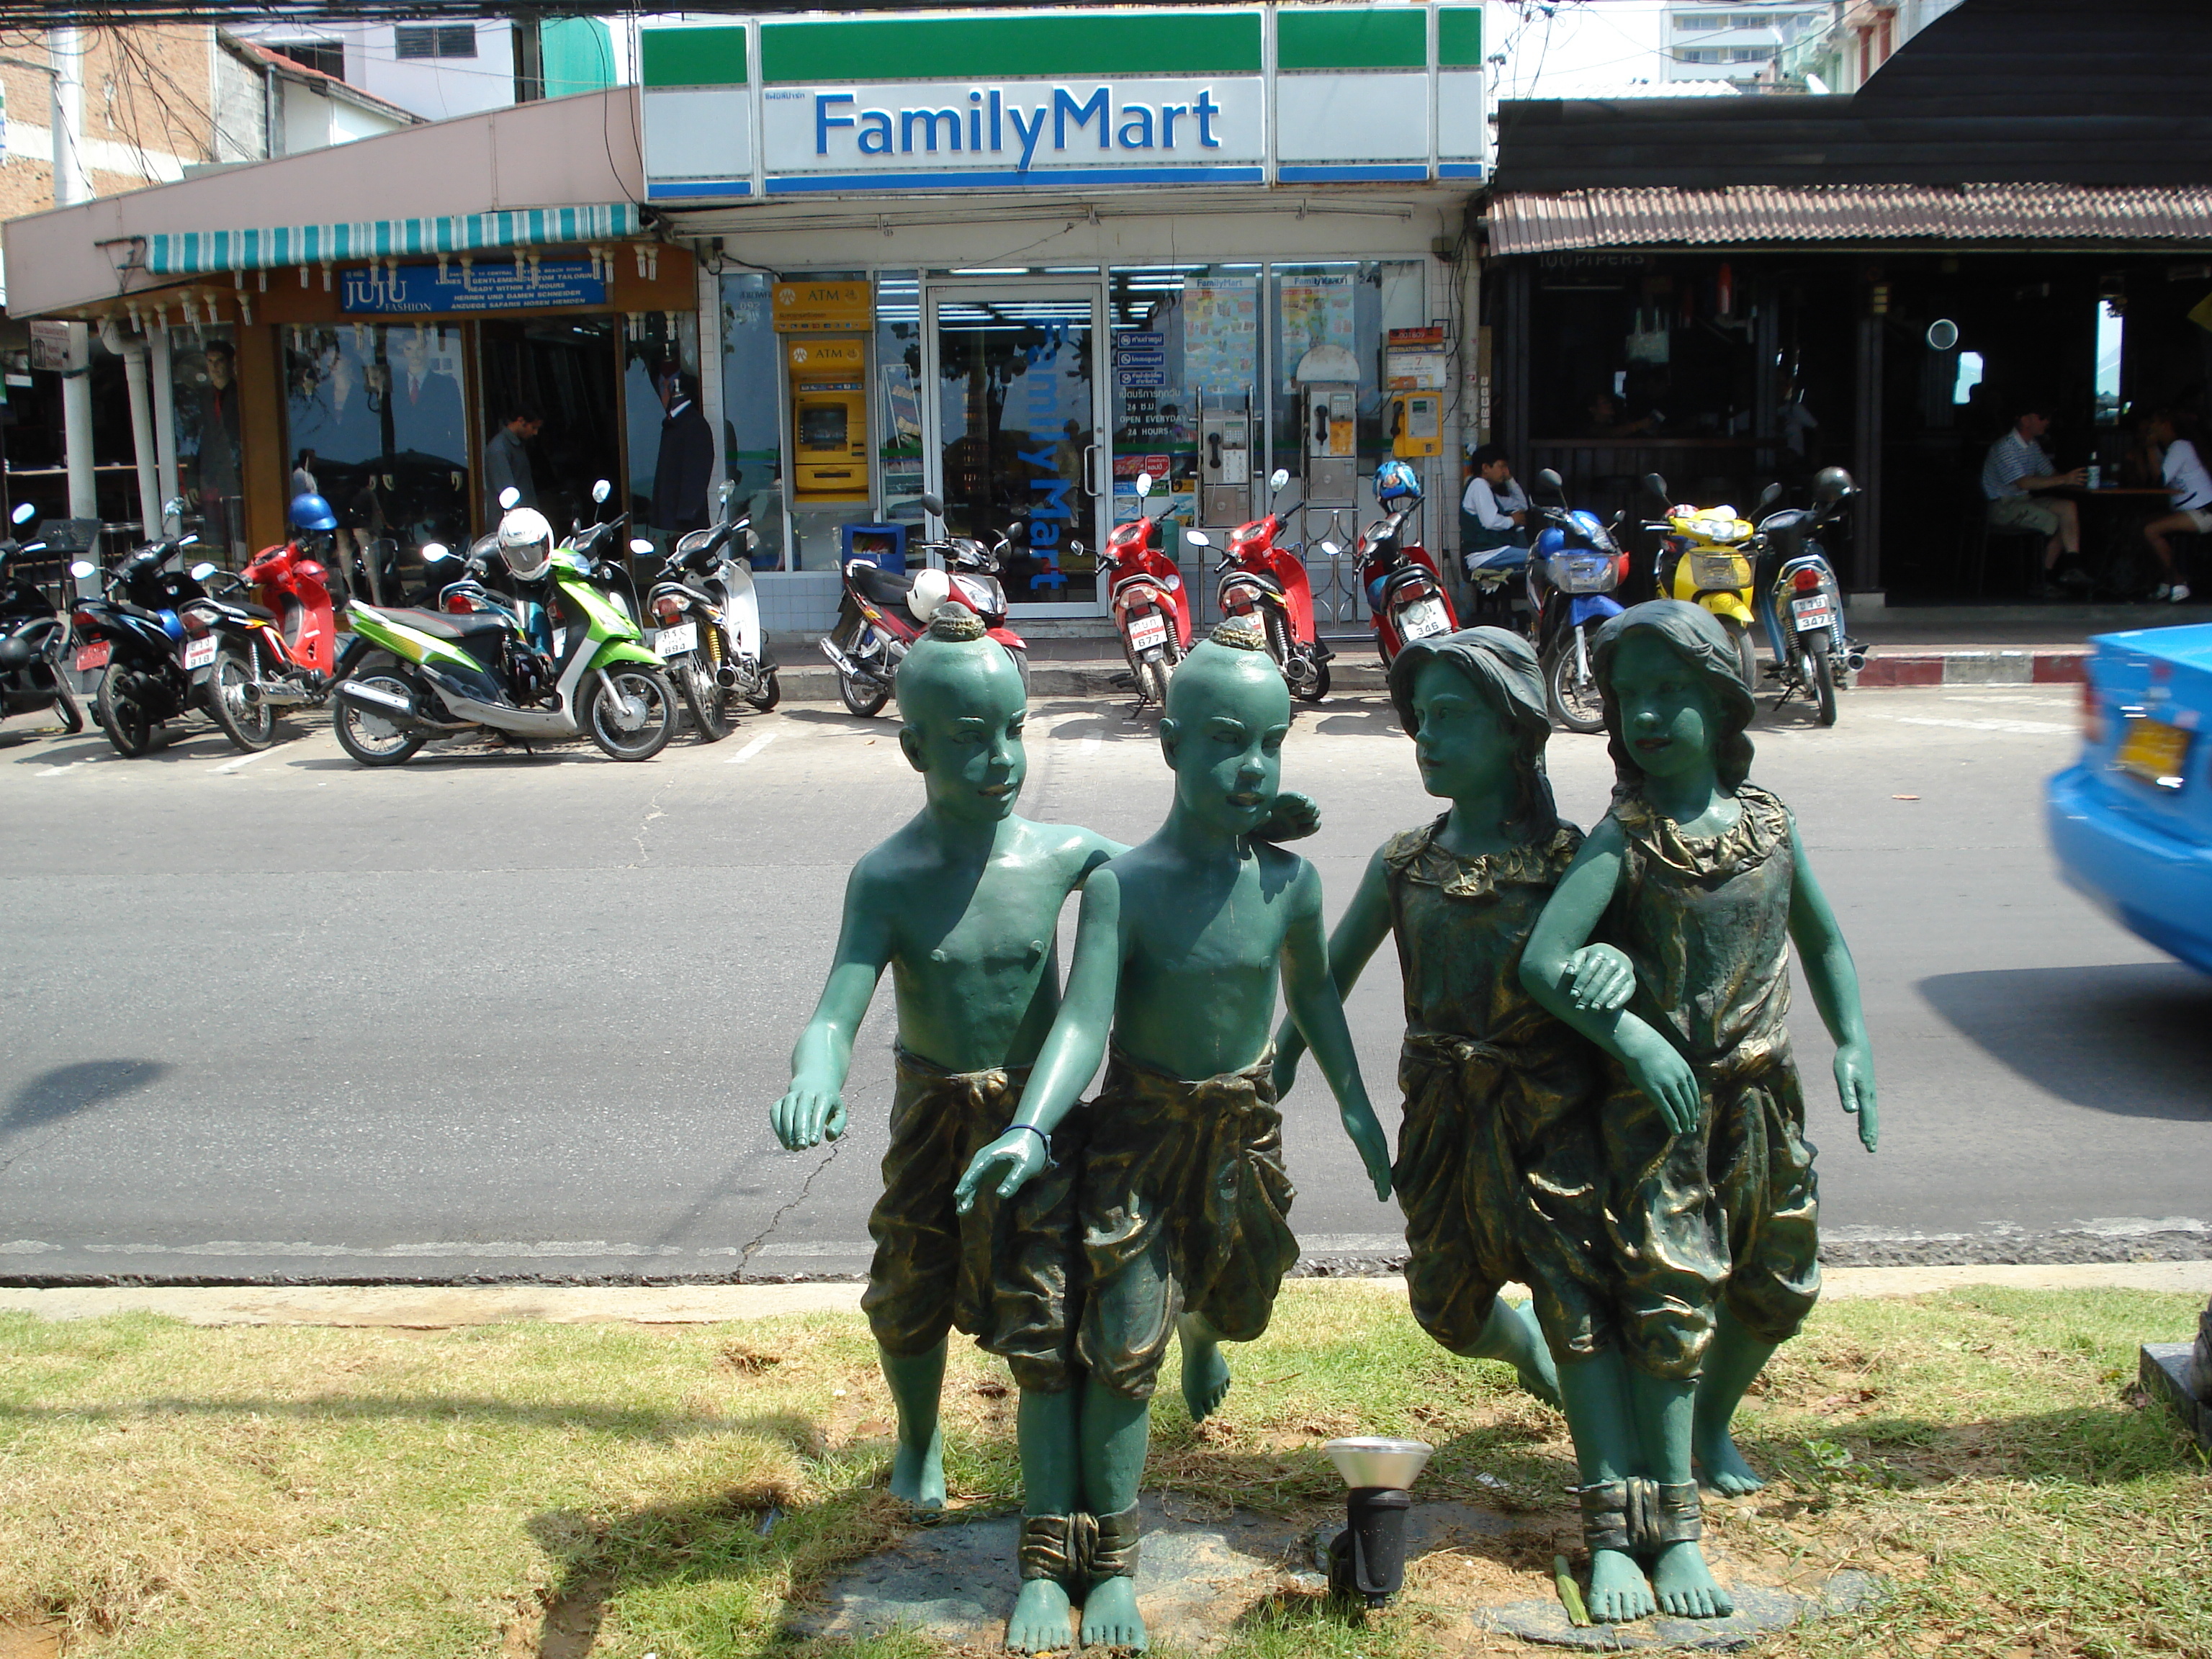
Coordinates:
x,y
1090,131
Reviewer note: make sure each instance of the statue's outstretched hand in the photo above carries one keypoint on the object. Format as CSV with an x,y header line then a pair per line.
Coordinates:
x,y
1012,1160
807,1115
1658,1068
1374,1149
1854,1084
1295,817
1599,978
1285,1072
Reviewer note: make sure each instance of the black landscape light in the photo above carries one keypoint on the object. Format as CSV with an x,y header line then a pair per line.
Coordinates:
x,y
1368,1559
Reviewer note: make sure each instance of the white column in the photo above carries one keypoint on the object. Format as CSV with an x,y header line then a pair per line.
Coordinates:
x,y
76,424
142,442
65,47
710,379
165,412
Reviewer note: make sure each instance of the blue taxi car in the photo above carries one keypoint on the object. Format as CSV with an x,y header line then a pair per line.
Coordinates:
x,y
2131,822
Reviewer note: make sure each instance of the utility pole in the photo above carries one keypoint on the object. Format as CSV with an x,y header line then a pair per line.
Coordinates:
x,y
65,51
528,29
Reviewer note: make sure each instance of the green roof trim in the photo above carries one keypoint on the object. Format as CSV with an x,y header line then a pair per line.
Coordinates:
x,y
1459,37
713,56
1349,40
992,48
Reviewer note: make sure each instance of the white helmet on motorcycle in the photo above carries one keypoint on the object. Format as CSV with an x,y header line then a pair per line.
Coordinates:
x,y
526,542
931,588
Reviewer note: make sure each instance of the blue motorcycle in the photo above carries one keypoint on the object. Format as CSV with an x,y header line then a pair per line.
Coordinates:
x,y
1800,603
1574,566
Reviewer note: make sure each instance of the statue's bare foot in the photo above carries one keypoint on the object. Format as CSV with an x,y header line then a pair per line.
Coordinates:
x,y
1040,1622
1539,1374
1110,1615
1205,1377
917,1473
1619,1594
1720,1466
1685,1586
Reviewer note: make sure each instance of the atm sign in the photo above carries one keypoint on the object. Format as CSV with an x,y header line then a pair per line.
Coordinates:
x,y
804,307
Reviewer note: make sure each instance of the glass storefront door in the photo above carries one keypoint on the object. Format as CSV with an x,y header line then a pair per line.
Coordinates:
x,y
1016,418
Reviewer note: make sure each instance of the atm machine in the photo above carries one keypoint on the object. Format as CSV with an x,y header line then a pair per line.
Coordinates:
x,y
829,419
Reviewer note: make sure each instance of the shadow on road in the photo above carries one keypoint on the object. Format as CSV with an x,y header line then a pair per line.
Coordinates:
x,y
2134,1038
65,1091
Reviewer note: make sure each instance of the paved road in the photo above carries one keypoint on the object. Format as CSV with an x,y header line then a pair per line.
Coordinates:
x,y
497,1015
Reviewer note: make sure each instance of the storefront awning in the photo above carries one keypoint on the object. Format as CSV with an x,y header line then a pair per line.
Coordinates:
x,y
1880,215
201,252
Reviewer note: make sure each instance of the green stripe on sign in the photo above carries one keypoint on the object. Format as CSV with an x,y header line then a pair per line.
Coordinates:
x,y
712,56
1459,37
992,48
1351,39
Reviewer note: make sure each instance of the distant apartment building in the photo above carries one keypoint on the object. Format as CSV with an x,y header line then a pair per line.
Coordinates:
x,y
438,69
1735,40
1839,50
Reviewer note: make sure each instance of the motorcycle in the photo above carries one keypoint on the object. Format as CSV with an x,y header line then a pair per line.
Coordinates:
x,y
882,613
1152,611
1405,597
136,631
1266,583
709,634
1574,569
32,635
426,673
1704,558
1800,603
278,650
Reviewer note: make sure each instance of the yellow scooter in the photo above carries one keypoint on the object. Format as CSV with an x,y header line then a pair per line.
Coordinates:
x,y
1707,556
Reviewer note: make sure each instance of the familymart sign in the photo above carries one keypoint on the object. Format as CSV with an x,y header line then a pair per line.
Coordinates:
x,y
1053,99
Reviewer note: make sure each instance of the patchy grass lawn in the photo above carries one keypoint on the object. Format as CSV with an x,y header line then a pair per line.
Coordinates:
x,y
527,1490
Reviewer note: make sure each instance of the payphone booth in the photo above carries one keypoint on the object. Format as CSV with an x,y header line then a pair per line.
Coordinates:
x,y
829,419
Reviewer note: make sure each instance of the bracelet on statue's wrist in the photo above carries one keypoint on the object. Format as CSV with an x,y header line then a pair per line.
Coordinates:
x,y
1038,1133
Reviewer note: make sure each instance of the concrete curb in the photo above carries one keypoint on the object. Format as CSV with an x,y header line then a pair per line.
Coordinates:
x,y
443,1307
1895,665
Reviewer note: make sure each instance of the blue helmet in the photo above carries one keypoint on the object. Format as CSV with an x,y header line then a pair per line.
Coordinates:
x,y
312,512
1395,482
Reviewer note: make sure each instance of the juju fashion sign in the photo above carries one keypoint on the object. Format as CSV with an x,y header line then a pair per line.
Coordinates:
x,y
1335,95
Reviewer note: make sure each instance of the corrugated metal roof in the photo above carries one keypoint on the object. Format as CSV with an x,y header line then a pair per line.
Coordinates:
x,y
1523,222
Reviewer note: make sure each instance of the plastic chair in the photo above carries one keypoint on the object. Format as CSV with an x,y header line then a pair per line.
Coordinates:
x,y
2032,543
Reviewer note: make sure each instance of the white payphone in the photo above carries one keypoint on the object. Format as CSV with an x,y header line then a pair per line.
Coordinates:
x,y
1328,380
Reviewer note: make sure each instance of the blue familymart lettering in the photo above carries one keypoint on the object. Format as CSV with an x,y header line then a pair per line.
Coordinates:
x,y
988,116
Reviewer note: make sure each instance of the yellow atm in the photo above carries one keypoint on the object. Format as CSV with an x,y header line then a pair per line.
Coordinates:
x,y
828,418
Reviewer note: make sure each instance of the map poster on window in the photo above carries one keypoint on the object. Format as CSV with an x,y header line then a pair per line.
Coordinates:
x,y
1220,334
1316,312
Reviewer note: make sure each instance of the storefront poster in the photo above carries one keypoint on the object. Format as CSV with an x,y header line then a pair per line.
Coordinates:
x,y
1220,333
1316,312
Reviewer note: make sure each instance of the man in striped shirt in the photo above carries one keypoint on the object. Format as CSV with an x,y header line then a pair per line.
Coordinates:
x,y
2017,464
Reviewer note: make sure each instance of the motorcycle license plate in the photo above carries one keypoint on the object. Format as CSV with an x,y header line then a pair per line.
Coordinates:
x,y
2154,750
198,653
1812,611
91,656
1420,619
675,642
1147,633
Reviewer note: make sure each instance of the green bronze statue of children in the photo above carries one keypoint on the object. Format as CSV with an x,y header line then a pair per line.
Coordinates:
x,y
962,904
1183,1198
1699,877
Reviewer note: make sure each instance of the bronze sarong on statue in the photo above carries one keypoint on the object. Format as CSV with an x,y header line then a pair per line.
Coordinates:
x,y
1727,1215
1185,1207
1007,1272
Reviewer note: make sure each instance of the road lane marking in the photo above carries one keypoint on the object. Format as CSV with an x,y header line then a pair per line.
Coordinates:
x,y
752,748
56,771
2018,728
1089,745
244,760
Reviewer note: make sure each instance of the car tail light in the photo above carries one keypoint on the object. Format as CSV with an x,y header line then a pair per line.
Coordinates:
x,y
2092,714
195,624
669,608
1805,581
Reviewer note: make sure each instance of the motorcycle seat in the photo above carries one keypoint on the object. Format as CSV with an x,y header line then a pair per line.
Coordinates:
x,y
450,624
260,613
877,584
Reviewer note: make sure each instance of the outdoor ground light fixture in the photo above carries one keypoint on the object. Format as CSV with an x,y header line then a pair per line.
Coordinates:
x,y
1368,1559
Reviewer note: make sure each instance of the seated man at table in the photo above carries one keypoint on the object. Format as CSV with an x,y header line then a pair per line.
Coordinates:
x,y
1494,511
2183,471
2017,464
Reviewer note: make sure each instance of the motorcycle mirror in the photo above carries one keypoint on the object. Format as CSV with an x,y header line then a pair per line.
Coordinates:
x,y
1768,497
1198,539
1144,485
1657,486
639,545
203,570
1619,516
509,497
80,568
436,552
1551,480
24,513
601,490
933,505
1278,478
727,490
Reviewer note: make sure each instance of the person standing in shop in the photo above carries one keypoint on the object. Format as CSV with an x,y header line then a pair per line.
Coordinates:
x,y
686,459
216,469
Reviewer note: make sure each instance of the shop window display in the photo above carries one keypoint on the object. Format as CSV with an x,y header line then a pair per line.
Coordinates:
x,y
1186,346
664,421
751,447
1328,324
210,449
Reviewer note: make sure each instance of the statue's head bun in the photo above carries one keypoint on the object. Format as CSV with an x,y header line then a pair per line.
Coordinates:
x,y
1240,634
954,621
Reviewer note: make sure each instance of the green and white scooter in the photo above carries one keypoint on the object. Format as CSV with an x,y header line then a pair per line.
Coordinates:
x,y
432,674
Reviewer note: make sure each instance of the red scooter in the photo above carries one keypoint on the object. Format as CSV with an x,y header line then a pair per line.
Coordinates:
x,y
277,651
1406,598
1151,610
1268,584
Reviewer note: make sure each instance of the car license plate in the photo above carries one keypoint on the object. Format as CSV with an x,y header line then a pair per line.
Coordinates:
x,y
1147,633
91,656
2154,750
199,653
1812,611
675,642
1420,619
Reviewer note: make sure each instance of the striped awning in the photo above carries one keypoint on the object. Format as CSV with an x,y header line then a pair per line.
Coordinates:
x,y
197,252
